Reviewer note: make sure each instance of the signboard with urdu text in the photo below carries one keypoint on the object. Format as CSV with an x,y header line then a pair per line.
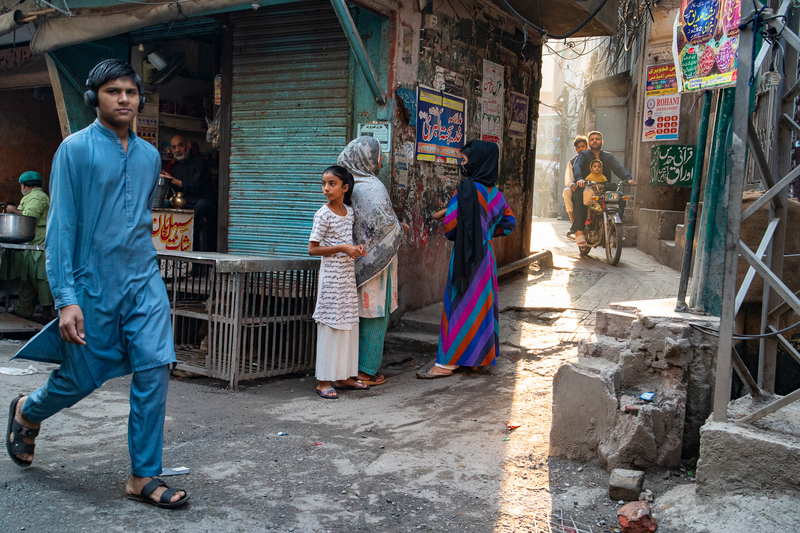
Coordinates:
x,y
441,131
706,44
662,104
492,102
672,165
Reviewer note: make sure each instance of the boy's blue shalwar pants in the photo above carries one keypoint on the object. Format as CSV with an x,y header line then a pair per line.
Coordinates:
x,y
72,382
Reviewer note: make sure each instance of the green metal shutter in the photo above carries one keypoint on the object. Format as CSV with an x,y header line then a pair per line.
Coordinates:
x,y
289,122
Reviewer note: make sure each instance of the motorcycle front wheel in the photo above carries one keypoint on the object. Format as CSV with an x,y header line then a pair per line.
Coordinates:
x,y
613,243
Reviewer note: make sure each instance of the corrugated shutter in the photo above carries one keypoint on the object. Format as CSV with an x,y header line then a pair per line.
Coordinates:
x,y
289,122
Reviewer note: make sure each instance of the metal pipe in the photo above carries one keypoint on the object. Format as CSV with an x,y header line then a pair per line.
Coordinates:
x,y
11,21
715,194
357,46
545,257
697,180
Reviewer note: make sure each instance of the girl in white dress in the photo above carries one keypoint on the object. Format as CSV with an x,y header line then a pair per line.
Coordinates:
x,y
336,313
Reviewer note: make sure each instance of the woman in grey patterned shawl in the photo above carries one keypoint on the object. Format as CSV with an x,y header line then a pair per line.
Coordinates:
x,y
377,228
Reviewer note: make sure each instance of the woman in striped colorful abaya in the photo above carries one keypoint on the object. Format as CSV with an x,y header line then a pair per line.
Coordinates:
x,y
469,334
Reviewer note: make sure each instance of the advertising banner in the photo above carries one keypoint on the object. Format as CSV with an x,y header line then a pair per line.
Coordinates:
x,y
440,126
662,104
492,102
706,44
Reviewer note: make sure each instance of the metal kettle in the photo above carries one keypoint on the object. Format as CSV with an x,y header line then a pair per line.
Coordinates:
x,y
178,200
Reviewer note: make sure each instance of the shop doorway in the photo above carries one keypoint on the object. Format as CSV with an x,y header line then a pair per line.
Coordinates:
x,y
180,65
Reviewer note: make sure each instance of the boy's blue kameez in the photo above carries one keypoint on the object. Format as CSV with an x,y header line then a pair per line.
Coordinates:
x,y
100,255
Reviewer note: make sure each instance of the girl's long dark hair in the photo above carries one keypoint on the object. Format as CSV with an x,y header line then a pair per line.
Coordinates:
x,y
346,178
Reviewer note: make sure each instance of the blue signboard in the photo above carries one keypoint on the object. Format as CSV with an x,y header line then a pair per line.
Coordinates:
x,y
440,126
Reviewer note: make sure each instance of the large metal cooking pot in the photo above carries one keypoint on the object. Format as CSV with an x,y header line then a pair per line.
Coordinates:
x,y
17,229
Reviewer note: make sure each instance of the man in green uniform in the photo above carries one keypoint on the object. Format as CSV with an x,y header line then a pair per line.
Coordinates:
x,y
29,264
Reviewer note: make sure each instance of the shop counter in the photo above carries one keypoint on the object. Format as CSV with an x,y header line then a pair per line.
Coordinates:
x,y
241,317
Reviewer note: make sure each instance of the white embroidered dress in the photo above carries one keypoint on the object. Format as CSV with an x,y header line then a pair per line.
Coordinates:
x,y
337,298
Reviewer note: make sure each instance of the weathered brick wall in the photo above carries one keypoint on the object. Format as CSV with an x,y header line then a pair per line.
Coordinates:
x,y
458,46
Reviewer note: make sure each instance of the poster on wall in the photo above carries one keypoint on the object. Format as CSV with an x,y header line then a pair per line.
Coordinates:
x,y
440,126
706,44
382,131
517,115
492,102
662,104
672,165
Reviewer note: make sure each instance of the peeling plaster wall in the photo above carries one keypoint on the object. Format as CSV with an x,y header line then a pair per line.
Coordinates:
x,y
458,44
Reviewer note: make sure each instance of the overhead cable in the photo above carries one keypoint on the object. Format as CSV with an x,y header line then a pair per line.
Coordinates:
x,y
543,32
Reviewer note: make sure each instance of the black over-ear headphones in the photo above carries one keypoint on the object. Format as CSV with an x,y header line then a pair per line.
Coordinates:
x,y
90,96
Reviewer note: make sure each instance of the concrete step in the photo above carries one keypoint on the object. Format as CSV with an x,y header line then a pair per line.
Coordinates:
x,y
669,254
425,320
629,236
411,342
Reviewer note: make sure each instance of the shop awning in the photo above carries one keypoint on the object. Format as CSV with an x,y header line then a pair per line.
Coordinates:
x,y
21,69
90,24
99,23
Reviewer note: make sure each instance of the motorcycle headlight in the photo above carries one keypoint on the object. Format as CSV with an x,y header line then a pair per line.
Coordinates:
x,y
612,197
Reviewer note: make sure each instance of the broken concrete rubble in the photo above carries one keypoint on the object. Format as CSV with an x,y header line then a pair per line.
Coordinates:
x,y
614,323
759,457
635,517
590,412
637,353
625,484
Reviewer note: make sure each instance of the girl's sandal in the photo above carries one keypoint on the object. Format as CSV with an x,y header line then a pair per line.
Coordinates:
x,y
359,385
329,393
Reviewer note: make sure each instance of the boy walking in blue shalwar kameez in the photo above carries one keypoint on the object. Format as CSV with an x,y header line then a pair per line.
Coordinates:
x,y
101,264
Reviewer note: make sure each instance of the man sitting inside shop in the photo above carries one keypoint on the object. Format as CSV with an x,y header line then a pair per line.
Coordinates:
x,y
190,174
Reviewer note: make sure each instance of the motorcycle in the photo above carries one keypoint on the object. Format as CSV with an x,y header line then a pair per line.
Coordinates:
x,y
603,223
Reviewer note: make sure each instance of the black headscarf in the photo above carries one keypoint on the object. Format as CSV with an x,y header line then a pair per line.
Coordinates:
x,y
481,167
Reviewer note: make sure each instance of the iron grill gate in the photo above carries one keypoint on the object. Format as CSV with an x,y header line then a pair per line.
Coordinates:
x,y
289,122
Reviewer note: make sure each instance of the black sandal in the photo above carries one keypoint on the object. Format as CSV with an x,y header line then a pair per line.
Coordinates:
x,y
14,435
166,496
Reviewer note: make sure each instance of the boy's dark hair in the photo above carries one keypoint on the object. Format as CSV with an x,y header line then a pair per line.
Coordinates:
x,y
346,178
580,139
109,70
33,183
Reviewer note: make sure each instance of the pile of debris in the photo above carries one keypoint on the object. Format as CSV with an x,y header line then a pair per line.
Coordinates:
x,y
639,392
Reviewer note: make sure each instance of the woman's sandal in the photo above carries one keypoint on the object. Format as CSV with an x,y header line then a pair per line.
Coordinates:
x,y
166,496
429,374
329,393
14,435
360,386
377,379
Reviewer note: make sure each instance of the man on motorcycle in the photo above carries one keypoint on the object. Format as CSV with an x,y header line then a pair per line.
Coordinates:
x,y
581,170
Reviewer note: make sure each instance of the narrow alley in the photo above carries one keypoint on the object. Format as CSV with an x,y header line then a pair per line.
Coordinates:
x,y
410,455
